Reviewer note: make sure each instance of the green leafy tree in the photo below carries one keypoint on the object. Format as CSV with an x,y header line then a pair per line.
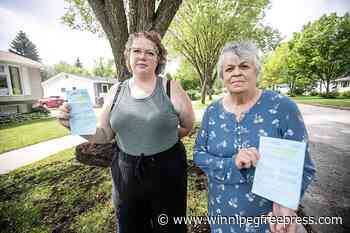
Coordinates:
x,y
322,49
65,67
116,19
47,72
103,68
275,69
187,76
21,45
202,27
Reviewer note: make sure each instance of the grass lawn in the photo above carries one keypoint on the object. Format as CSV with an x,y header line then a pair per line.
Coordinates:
x,y
14,136
59,194
198,105
338,102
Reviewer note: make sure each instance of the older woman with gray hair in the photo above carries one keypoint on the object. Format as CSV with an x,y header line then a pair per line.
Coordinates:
x,y
227,143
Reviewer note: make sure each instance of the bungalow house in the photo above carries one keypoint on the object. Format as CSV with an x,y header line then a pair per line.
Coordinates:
x,y
283,88
342,84
19,83
97,87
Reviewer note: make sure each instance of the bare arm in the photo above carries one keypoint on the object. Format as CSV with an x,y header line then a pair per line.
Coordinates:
x,y
183,106
104,132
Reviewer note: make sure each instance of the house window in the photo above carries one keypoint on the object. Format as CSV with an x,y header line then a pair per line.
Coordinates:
x,y
2,68
63,90
345,84
15,80
4,84
104,88
74,88
4,89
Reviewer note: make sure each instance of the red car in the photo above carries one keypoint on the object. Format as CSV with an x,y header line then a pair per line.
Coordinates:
x,y
51,102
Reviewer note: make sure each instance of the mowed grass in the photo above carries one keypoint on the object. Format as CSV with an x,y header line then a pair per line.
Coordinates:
x,y
316,100
197,104
23,134
56,195
59,194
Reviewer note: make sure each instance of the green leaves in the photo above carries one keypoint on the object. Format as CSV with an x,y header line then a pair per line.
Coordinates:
x,y
320,52
80,16
323,48
202,27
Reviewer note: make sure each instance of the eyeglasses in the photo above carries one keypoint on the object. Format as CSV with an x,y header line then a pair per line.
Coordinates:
x,y
150,53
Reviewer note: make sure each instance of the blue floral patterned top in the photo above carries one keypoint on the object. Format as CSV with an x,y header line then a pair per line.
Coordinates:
x,y
220,138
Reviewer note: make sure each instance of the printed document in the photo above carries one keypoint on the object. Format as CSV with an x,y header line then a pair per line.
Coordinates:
x,y
279,172
82,117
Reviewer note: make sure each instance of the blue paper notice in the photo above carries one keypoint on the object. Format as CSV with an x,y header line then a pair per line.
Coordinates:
x,y
279,171
82,117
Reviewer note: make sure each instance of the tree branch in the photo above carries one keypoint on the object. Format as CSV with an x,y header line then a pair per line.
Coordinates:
x,y
165,13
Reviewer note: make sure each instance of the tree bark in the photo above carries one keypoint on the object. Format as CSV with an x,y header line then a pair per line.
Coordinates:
x,y
142,17
164,15
211,84
111,15
327,86
204,89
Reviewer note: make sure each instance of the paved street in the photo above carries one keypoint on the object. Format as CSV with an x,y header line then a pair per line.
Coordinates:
x,y
329,195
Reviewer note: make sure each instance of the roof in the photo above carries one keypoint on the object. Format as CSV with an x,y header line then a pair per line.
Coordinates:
x,y
95,79
14,58
343,79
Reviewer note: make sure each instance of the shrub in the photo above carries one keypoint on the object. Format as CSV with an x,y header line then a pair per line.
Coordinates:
x,y
299,91
189,84
345,94
290,94
41,109
313,93
7,118
330,95
194,94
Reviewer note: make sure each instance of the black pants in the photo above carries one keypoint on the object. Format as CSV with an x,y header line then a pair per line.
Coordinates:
x,y
148,187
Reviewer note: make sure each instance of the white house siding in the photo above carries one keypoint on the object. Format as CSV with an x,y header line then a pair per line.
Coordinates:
x,y
54,87
35,81
26,84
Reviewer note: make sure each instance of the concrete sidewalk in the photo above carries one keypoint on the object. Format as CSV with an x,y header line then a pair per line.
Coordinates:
x,y
17,158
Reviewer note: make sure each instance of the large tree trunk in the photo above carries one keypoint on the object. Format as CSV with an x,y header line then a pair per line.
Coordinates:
x,y
327,87
114,17
111,15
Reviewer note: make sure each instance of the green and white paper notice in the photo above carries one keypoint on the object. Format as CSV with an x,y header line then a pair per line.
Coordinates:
x,y
82,117
279,172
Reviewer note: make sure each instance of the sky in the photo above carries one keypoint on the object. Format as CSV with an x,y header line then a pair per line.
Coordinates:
x,y
40,20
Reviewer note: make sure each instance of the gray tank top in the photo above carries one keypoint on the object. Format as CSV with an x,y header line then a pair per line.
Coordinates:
x,y
144,126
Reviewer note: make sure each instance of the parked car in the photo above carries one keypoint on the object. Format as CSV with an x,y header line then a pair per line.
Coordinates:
x,y
51,102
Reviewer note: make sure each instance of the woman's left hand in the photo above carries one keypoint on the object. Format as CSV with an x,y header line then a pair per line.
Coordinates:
x,y
289,225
